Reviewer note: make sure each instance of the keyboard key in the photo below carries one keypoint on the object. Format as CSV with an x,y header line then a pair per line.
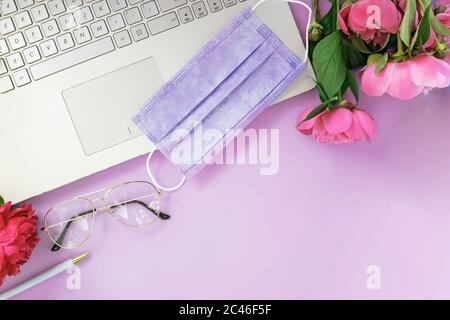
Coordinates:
x,y
16,41
21,78
132,15
6,26
25,3
199,9
31,54
67,21
6,84
40,13
99,28
72,58
82,35
215,5
229,3
14,61
33,34
71,4
101,9
117,5
84,15
65,41
48,48
167,5
7,7
132,2
22,19
3,68
116,22
50,28
149,9
122,38
185,15
163,23
56,7
3,47
139,32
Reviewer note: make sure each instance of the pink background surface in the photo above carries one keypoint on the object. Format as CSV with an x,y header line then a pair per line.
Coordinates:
x,y
308,232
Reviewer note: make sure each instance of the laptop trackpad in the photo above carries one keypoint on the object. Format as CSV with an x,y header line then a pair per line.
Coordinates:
x,y
102,108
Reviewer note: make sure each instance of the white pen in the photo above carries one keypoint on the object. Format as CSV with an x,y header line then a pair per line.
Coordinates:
x,y
42,277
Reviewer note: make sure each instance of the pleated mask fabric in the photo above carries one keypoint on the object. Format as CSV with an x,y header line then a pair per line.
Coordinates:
x,y
233,78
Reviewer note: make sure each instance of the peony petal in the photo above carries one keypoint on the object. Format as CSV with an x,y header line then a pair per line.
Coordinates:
x,y
377,84
319,129
342,18
401,85
356,132
342,138
444,17
429,71
337,120
8,235
366,122
362,12
306,127
5,208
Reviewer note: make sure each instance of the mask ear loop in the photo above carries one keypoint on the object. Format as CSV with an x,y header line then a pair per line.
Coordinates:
x,y
307,25
153,179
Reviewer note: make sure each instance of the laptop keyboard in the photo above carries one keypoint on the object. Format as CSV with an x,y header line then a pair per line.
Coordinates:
x,y
39,38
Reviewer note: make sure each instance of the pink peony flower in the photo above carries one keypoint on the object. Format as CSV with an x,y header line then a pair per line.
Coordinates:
x,y
405,80
18,237
371,20
338,126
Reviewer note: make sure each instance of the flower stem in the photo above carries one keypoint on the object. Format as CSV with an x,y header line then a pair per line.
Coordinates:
x,y
400,51
315,9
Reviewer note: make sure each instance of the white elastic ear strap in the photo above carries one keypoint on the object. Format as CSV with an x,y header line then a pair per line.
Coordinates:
x,y
153,179
307,25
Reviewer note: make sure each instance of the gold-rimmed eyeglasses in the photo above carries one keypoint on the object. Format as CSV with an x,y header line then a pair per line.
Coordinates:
x,y
134,203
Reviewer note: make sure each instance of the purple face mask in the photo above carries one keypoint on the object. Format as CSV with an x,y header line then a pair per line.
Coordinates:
x,y
234,77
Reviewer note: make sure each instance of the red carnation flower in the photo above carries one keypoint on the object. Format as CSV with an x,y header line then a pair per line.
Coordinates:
x,y
18,237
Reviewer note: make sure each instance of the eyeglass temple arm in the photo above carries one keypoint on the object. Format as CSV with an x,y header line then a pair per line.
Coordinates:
x,y
161,215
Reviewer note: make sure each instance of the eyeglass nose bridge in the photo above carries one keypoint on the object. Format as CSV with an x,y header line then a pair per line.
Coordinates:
x,y
100,204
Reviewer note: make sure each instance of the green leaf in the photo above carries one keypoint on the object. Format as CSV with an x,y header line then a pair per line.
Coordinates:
x,y
322,95
314,112
343,87
423,5
423,30
329,63
352,57
437,26
359,44
408,21
363,47
1,201
351,80
381,63
329,21
326,22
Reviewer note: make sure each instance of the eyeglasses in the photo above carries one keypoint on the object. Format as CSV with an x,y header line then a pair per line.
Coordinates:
x,y
137,204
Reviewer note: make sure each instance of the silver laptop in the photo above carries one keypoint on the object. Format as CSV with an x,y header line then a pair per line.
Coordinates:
x,y
74,72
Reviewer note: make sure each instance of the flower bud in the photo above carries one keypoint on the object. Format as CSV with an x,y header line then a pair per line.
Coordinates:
x,y
441,49
440,9
315,32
